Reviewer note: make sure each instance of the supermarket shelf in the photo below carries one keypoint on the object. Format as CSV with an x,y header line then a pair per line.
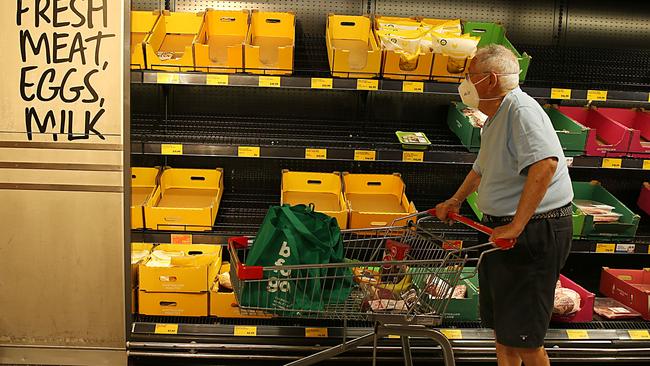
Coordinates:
x,y
384,85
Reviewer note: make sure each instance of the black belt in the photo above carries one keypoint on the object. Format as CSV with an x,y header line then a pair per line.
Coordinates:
x,y
555,213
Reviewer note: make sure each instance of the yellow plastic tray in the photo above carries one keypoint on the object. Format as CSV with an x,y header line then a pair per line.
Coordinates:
x,y
172,303
173,33
194,277
351,47
324,190
220,45
270,43
142,23
375,200
143,184
186,199
393,67
446,69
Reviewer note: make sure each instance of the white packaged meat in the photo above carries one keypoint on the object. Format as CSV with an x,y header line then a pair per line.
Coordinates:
x,y
566,301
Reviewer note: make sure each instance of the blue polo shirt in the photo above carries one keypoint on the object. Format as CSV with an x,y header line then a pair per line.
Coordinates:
x,y
517,136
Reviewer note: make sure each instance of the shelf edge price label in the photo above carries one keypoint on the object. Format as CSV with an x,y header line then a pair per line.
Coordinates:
x,y
167,78
557,93
244,331
365,155
605,248
316,332
612,163
321,83
166,329
646,165
625,248
413,86
577,334
452,333
367,84
639,334
597,95
248,151
318,154
413,156
181,238
393,336
213,79
171,149
269,81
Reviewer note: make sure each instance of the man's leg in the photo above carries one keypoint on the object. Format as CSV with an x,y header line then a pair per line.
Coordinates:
x,y
508,356
533,356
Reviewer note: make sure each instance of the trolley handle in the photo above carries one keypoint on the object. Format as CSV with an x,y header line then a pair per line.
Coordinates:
x,y
501,243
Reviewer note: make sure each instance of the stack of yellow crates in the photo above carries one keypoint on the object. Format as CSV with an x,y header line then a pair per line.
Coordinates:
x,y
139,253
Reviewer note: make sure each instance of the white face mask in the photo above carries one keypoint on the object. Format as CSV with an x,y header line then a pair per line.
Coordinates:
x,y
469,94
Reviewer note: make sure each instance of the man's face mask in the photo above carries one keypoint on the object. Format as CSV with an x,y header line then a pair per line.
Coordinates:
x,y
469,94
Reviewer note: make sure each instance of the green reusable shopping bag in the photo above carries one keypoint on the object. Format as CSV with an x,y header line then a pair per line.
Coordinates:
x,y
292,235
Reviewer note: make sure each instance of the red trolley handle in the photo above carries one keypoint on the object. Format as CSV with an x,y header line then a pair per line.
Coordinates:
x,y
501,243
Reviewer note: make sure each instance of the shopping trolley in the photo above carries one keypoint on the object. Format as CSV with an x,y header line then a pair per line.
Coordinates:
x,y
400,277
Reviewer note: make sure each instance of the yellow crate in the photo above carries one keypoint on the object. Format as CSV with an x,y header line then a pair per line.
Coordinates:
x,y
143,183
446,68
224,304
351,47
134,266
220,45
142,23
270,44
323,190
375,200
394,67
173,33
172,303
191,274
185,199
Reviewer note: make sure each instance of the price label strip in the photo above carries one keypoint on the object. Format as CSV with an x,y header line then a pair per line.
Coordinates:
x,y
611,163
452,333
367,84
171,149
181,238
413,87
413,156
316,332
168,78
597,95
605,248
557,93
244,331
646,165
317,154
639,334
166,329
321,83
577,334
269,81
393,336
221,80
248,151
365,155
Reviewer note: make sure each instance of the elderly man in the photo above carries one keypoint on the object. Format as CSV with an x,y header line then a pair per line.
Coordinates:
x,y
525,194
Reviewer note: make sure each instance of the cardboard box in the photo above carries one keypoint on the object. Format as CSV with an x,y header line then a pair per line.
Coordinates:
x,y
134,266
143,184
351,47
173,303
186,277
142,23
323,190
586,312
223,302
270,44
630,287
376,200
185,199
638,121
174,34
219,47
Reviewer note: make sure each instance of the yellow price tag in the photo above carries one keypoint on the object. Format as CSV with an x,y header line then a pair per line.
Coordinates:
x,y
393,336
168,78
319,154
316,332
648,97
600,95
639,334
243,331
557,93
365,155
171,149
413,86
166,329
321,83
367,84
612,163
213,79
413,156
269,81
605,248
452,333
248,151
181,238
646,165
577,334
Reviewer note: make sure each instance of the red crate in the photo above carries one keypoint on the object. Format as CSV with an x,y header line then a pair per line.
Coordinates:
x,y
631,287
644,198
586,312
639,121
606,137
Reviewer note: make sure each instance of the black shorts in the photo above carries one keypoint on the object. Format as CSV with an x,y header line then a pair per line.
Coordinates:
x,y
517,286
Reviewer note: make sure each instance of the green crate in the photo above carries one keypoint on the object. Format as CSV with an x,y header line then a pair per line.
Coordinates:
x,y
459,124
492,33
457,309
573,136
584,225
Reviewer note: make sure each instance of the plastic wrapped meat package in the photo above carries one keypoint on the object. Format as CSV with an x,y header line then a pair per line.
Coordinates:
x,y
475,116
612,309
601,212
